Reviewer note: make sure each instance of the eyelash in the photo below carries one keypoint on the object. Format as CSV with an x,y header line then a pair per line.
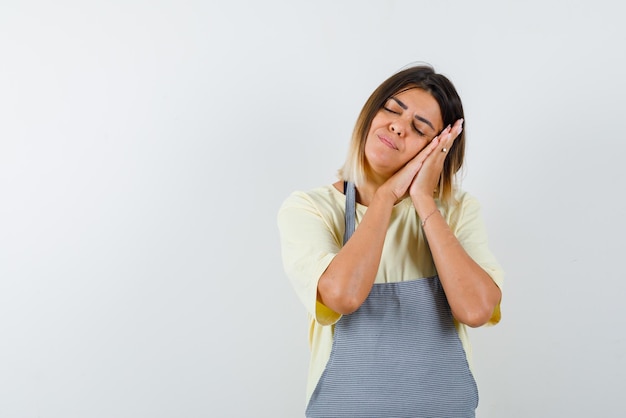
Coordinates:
x,y
417,131
391,111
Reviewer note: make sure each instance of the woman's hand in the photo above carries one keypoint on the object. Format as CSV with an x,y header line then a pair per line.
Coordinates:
x,y
348,279
470,291
427,177
400,182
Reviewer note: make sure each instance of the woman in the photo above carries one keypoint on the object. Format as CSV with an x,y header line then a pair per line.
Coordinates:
x,y
390,306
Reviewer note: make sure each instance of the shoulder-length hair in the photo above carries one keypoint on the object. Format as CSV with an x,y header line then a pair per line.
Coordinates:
x,y
356,169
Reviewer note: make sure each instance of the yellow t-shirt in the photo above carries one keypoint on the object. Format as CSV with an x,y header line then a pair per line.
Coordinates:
x,y
311,226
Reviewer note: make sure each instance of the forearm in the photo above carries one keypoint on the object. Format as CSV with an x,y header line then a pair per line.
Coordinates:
x,y
471,292
347,281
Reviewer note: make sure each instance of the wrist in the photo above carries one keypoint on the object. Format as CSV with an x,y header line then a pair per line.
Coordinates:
x,y
424,205
425,218
385,196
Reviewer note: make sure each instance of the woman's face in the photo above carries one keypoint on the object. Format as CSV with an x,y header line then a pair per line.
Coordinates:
x,y
400,130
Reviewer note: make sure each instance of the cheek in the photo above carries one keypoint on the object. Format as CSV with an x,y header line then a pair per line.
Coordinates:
x,y
371,148
414,147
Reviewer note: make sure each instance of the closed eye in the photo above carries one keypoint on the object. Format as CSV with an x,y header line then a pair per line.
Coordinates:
x,y
399,112
420,133
391,110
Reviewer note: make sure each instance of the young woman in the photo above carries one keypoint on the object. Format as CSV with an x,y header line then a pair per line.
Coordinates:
x,y
392,262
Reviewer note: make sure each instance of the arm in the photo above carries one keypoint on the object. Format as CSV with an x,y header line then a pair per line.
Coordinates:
x,y
471,292
347,281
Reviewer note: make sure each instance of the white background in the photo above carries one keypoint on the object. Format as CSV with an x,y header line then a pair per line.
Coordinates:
x,y
147,145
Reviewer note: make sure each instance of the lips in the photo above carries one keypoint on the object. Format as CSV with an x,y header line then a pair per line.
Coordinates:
x,y
388,142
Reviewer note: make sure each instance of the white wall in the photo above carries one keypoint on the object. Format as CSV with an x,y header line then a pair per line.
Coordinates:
x,y
145,147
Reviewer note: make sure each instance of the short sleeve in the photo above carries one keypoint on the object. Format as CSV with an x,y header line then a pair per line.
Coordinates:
x,y
468,226
309,241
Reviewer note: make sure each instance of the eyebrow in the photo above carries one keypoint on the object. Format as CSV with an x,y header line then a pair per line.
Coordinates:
x,y
418,117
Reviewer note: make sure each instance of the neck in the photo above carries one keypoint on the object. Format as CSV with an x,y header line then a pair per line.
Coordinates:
x,y
365,193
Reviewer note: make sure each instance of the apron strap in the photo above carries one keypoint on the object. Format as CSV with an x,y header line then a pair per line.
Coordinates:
x,y
350,217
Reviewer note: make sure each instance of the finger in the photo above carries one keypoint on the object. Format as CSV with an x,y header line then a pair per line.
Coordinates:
x,y
439,142
448,137
452,134
456,130
416,163
431,146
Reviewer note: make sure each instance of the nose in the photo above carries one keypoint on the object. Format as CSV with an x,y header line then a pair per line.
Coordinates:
x,y
396,127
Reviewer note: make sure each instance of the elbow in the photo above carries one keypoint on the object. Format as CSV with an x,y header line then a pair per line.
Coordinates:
x,y
337,299
350,305
480,310
346,307
475,316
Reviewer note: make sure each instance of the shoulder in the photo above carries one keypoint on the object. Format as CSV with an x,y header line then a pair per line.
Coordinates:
x,y
312,219
465,199
326,204
460,199
323,198
464,204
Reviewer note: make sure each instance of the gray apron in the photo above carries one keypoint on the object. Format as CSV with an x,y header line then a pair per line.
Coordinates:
x,y
398,355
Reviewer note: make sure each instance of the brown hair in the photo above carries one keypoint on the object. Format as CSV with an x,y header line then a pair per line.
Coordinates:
x,y
424,77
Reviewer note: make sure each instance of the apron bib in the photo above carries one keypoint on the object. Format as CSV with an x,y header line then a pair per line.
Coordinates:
x,y
398,355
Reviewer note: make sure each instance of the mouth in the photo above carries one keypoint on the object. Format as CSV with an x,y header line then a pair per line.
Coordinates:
x,y
387,142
